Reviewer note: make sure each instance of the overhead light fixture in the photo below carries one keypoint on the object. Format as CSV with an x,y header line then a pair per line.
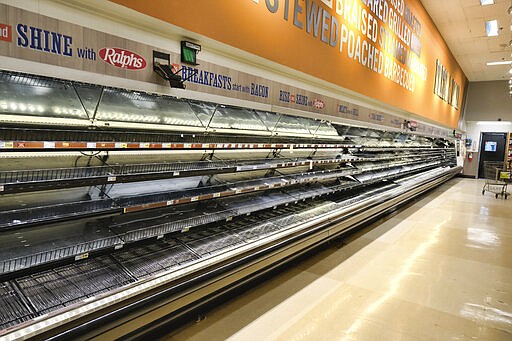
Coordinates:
x,y
503,62
486,2
491,28
493,122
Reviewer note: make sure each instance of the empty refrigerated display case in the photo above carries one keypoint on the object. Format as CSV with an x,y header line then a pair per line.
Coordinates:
x,y
119,206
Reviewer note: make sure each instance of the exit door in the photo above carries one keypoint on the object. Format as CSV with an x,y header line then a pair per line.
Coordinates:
x,y
492,148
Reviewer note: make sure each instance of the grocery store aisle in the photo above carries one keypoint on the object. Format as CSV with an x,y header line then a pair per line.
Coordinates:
x,y
441,269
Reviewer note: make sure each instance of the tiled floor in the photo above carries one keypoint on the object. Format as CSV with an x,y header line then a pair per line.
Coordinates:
x,y
441,269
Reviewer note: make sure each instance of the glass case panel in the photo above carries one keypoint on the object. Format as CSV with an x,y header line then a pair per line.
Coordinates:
x,y
90,95
37,96
374,133
292,124
132,106
324,128
356,131
237,118
269,118
203,110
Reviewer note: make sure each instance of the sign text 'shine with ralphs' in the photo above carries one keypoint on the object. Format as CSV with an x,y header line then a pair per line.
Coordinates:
x,y
43,40
40,39
122,58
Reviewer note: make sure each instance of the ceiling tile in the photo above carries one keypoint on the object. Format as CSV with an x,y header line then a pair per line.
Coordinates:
x,y
464,32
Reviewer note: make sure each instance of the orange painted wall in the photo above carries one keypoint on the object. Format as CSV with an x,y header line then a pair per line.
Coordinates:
x,y
250,26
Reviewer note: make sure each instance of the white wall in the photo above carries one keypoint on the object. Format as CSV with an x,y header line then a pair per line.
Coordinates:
x,y
488,101
475,128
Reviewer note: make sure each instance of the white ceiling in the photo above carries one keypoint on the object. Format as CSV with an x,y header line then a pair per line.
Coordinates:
x,y
462,24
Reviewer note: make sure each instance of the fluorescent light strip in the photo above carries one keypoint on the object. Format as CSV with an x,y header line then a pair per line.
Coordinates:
x,y
504,62
493,122
491,28
486,2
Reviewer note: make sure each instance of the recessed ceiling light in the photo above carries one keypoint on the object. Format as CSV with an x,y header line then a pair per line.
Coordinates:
x,y
503,62
486,2
492,122
491,28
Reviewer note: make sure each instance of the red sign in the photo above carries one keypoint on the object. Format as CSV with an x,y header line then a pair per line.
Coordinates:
x,y
6,32
175,67
122,58
318,103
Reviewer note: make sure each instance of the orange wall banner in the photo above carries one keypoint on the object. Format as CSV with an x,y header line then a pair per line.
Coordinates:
x,y
384,49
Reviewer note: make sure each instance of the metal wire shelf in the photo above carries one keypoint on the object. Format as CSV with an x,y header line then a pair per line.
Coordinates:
x,y
13,311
